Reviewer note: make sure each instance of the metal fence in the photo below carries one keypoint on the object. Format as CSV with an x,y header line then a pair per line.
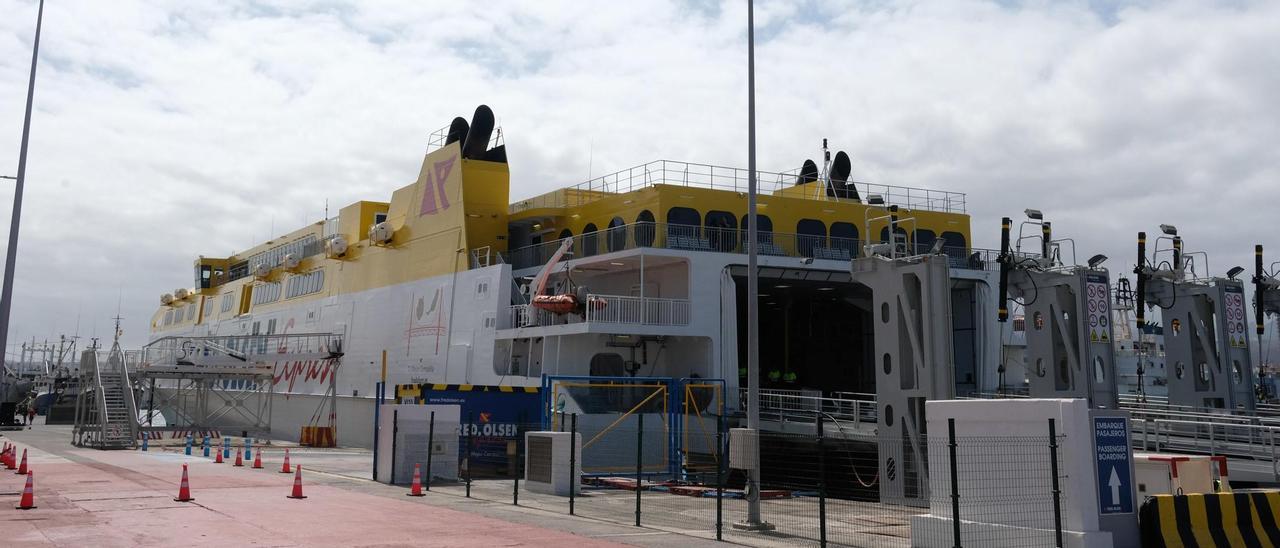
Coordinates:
x,y
817,489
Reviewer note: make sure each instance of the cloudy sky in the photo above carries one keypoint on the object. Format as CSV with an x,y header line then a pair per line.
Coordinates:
x,y
164,130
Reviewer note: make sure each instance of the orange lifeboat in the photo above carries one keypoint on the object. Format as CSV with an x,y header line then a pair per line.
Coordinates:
x,y
556,304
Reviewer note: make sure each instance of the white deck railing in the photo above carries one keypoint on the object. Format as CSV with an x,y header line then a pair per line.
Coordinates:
x,y
617,309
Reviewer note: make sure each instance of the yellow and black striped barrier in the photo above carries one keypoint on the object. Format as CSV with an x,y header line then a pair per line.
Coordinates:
x,y
417,390
1212,519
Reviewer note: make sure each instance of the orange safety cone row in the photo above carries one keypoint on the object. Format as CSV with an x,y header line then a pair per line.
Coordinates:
x,y
238,461
184,488
257,458
284,468
28,501
22,468
415,490
297,484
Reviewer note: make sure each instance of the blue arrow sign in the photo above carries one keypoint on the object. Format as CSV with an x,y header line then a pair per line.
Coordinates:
x,y
1113,456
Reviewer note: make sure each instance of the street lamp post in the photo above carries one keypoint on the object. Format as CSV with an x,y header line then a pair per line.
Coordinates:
x,y
6,295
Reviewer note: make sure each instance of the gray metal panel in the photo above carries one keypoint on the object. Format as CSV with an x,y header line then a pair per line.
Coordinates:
x,y
1070,344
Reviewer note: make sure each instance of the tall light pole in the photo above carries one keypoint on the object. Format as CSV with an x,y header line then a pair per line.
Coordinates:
x,y
6,295
753,521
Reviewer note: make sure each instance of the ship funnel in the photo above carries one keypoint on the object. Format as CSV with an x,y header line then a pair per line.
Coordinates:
x,y
477,140
840,187
457,131
808,173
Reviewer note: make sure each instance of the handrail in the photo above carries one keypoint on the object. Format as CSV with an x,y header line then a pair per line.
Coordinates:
x,y
732,240
695,175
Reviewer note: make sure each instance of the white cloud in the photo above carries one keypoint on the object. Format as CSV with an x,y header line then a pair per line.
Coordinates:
x,y
163,131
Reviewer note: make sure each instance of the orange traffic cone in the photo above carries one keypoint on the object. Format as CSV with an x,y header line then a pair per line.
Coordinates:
x,y
415,490
8,458
238,461
218,459
22,468
184,488
284,468
257,458
297,484
28,494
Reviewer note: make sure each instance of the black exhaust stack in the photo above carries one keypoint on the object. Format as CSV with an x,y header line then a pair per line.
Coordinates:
x,y
1141,308
1006,262
457,131
808,173
840,169
477,141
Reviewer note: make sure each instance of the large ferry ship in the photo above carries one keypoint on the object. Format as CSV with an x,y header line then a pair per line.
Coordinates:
x,y
643,274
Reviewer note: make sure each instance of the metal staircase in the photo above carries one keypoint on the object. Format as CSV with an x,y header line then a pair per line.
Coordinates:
x,y
106,414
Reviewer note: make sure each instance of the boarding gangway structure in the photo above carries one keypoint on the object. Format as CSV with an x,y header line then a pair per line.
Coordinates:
x,y
106,413
181,376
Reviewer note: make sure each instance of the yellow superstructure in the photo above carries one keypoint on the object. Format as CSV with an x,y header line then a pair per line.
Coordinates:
x,y
457,215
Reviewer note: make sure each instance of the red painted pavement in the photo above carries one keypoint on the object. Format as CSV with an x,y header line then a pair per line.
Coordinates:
x,y
125,498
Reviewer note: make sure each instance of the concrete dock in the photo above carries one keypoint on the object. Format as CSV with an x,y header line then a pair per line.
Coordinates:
x,y
89,497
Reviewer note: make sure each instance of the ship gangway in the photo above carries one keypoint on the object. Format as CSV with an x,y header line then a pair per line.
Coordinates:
x,y
224,383
1249,440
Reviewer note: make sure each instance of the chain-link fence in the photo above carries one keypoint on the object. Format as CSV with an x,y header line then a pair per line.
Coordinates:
x,y
814,489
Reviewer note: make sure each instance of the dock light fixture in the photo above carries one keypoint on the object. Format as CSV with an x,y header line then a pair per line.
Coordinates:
x,y
875,199
1169,230
1034,214
1097,260
1235,271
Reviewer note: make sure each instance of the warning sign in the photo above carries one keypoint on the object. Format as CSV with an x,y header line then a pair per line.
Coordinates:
x,y
1235,316
1097,302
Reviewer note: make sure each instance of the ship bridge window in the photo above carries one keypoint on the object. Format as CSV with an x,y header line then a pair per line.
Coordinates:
x,y
844,239
722,230
811,235
644,228
616,237
683,228
590,239
239,270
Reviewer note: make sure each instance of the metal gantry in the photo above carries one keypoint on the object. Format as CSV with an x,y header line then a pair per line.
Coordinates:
x,y
202,384
106,413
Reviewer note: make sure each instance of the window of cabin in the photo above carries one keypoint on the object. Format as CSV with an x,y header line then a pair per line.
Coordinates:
x,y
590,240
722,230
901,232
764,232
924,240
617,234
810,234
683,224
644,228
955,244
379,218
566,233
844,236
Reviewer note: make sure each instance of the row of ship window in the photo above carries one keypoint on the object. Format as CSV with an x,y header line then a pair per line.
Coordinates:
x,y
719,231
296,286
303,247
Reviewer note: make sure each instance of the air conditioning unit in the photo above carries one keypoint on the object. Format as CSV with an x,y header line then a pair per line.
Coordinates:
x,y
546,463
381,233
291,261
335,247
166,299
181,293
261,270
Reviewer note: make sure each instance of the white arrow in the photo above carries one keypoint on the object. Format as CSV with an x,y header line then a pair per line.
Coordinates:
x,y
1114,483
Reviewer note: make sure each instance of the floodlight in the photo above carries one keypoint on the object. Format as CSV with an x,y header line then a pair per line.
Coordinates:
x,y
1096,260
1034,214
1169,229
1235,271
